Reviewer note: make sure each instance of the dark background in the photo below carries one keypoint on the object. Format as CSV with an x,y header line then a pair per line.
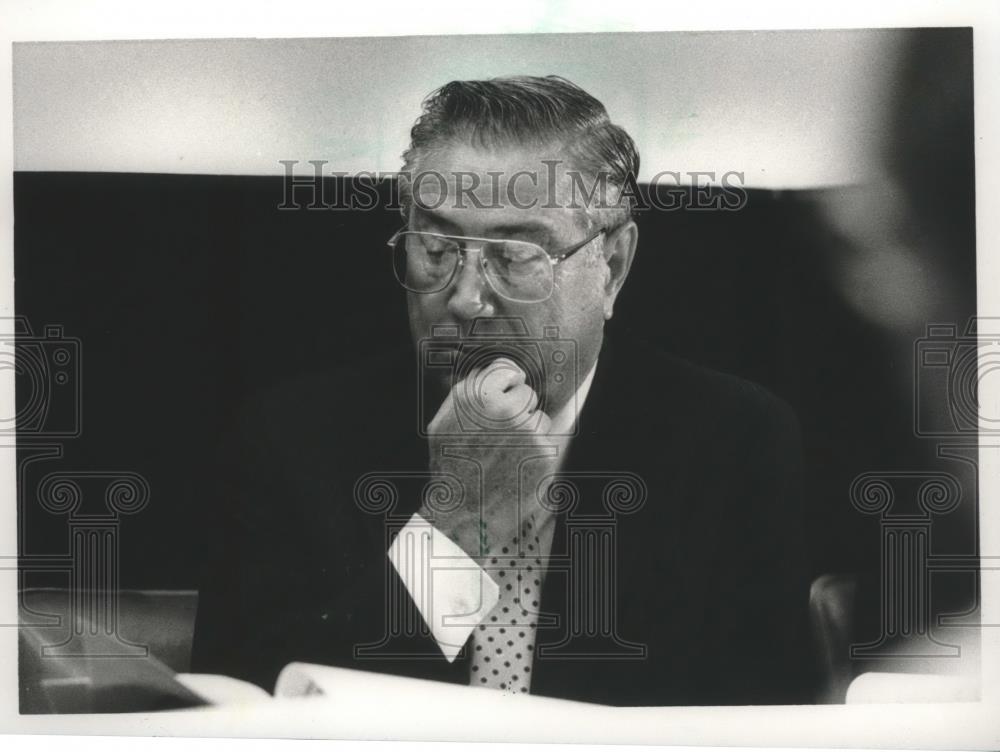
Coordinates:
x,y
189,292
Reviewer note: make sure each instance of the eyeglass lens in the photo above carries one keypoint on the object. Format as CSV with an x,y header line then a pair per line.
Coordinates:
x,y
516,269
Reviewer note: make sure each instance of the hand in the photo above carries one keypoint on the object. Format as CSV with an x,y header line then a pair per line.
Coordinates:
x,y
490,435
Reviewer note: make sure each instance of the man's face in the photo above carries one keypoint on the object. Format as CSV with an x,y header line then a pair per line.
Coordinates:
x,y
515,201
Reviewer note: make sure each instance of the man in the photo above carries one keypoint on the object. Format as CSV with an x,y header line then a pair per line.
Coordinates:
x,y
516,502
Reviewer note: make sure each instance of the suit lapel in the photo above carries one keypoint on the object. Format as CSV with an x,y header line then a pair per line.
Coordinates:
x,y
608,447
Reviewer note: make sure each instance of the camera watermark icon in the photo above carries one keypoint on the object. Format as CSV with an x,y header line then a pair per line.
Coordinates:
x,y
46,373
548,362
948,370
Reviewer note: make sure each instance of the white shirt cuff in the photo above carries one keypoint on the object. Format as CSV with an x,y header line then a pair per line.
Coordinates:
x,y
451,591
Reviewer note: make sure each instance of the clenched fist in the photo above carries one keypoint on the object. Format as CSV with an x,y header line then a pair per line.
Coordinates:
x,y
490,435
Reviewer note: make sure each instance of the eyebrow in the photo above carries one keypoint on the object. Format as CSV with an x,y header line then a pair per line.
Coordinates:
x,y
530,228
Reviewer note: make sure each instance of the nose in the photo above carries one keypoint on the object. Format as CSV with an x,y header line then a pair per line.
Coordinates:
x,y
470,296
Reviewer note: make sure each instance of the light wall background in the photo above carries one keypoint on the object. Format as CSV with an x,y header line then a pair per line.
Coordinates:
x,y
789,109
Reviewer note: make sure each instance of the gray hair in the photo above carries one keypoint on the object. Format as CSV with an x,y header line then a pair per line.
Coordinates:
x,y
530,111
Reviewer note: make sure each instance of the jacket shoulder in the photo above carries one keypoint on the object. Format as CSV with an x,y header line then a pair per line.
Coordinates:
x,y
672,388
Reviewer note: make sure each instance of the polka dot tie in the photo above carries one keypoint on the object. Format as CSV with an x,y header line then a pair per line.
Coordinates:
x,y
503,644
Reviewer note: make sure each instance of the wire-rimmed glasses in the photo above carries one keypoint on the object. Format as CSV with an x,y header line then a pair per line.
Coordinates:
x,y
523,272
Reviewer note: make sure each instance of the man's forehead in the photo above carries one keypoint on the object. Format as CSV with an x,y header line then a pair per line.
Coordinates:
x,y
543,228
460,157
529,184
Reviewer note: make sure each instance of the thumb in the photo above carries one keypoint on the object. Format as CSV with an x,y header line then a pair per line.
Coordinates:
x,y
544,425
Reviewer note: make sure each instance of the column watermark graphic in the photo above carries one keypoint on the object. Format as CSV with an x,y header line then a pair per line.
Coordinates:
x,y
906,560
590,563
93,557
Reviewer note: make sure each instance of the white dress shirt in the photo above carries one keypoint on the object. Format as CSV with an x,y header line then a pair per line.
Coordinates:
x,y
451,591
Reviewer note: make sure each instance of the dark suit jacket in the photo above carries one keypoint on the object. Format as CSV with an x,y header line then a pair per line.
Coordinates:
x,y
708,596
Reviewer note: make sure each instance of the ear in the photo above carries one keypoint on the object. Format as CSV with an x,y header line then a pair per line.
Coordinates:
x,y
619,250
